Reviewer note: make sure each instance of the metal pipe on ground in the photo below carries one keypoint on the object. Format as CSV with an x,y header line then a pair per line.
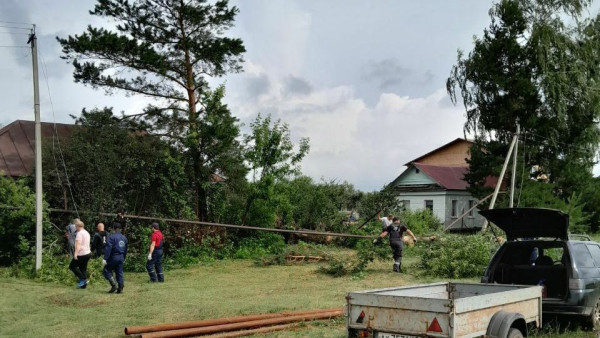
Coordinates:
x,y
219,321
253,331
197,331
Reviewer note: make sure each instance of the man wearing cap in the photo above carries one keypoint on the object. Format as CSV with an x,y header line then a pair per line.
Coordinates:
x,y
114,256
155,255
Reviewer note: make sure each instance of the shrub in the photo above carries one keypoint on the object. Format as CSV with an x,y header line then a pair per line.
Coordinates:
x,y
260,245
17,226
421,222
457,256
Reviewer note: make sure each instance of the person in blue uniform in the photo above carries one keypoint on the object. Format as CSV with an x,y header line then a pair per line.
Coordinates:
x,y
114,256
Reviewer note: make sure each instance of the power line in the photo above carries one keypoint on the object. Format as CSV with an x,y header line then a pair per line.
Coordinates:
x,y
44,71
16,23
14,47
12,27
14,33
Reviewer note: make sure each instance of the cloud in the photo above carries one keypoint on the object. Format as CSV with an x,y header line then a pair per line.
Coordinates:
x,y
257,85
351,140
296,86
386,73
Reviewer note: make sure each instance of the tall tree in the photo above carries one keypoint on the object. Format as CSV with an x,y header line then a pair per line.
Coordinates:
x,y
165,50
272,157
536,64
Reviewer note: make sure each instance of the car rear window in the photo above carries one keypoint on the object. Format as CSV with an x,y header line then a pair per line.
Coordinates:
x,y
595,251
583,258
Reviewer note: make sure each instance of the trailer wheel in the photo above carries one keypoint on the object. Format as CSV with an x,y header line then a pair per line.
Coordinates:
x,y
507,325
515,333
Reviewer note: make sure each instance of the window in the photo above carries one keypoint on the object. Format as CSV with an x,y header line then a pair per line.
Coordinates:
x,y
454,208
583,259
595,251
429,205
405,204
471,209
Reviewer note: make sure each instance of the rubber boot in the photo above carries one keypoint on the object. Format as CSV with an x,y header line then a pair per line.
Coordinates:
x,y
396,268
120,289
113,287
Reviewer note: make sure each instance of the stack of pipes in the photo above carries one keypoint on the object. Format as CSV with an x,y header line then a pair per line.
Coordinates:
x,y
233,326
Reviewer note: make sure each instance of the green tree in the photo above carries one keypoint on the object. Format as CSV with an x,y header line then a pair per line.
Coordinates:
x,y
165,50
17,226
536,64
271,156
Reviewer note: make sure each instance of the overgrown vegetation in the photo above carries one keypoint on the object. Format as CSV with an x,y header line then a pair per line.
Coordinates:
x,y
457,256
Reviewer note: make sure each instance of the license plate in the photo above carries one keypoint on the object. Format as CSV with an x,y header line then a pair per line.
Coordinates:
x,y
393,335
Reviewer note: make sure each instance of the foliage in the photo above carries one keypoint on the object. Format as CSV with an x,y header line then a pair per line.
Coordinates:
x,y
536,64
264,243
366,253
457,256
164,50
537,194
17,226
271,157
421,222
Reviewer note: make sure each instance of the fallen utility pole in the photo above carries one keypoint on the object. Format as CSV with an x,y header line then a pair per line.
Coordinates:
x,y
468,211
219,321
222,225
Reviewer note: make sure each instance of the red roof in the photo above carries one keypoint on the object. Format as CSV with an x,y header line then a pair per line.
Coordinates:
x,y
17,145
451,178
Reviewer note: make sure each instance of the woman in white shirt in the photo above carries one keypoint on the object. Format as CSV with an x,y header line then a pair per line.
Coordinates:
x,y
81,255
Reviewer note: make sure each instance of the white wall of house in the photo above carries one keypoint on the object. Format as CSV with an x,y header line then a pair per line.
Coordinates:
x,y
461,199
417,201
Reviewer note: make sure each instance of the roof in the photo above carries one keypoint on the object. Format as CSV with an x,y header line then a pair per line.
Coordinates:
x,y
17,145
450,178
445,146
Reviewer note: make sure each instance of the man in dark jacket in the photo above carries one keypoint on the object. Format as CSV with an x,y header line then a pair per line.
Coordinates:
x,y
114,256
99,241
395,231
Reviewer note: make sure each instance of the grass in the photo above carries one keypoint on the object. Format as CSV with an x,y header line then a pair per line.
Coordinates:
x,y
223,288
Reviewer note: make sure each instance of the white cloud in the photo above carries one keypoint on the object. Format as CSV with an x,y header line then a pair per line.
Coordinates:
x,y
351,141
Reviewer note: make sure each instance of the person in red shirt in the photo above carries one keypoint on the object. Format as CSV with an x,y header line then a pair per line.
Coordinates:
x,y
155,255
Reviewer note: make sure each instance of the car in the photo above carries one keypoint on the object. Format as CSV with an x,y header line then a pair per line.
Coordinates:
x,y
539,251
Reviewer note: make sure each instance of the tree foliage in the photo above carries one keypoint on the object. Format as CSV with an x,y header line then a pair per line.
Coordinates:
x,y
165,50
536,64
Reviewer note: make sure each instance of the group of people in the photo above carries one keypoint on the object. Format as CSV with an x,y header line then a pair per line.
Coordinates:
x,y
392,227
112,248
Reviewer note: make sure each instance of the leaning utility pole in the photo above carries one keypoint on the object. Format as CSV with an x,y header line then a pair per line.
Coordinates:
x,y
38,152
499,183
514,168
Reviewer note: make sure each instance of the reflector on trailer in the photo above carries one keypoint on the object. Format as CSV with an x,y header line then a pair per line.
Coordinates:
x,y
360,317
434,326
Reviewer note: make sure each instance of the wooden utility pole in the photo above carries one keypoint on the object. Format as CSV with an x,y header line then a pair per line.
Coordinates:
x,y
499,183
38,152
514,168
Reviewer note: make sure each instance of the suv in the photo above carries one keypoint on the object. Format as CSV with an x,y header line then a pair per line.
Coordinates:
x,y
538,251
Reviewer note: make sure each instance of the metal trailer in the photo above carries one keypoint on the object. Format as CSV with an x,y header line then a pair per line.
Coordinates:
x,y
444,310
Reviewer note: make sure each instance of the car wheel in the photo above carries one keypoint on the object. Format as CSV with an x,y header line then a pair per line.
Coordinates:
x,y
514,333
594,319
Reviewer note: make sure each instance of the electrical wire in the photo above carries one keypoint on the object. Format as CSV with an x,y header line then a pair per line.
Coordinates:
x,y
44,71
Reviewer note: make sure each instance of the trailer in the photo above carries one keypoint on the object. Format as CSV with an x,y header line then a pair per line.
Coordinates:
x,y
444,310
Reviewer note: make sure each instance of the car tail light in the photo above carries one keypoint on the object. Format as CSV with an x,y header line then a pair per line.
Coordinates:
x,y
364,334
576,284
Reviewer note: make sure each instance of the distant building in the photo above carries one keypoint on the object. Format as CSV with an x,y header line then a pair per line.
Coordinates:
x,y
17,145
435,181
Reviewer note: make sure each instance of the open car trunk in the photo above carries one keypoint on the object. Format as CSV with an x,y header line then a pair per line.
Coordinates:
x,y
533,263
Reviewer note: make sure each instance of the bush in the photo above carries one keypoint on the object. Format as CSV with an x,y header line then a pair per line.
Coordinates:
x,y
259,245
17,226
421,222
457,256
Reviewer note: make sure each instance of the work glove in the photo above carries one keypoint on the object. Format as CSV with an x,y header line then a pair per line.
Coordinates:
x,y
104,262
377,241
149,257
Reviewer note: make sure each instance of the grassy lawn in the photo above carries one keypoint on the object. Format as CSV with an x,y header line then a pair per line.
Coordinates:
x,y
223,288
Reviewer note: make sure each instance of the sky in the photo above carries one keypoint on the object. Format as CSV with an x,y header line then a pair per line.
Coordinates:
x,y
363,80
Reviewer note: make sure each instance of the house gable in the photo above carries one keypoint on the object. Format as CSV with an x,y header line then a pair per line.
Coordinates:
x,y
413,177
452,154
